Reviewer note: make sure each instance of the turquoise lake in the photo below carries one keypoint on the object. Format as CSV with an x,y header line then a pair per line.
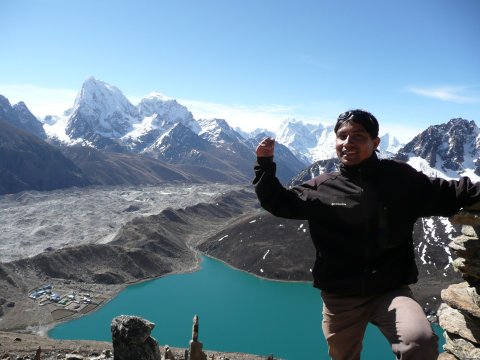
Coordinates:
x,y
238,312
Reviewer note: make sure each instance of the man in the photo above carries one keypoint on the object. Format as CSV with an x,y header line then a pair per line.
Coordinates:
x,y
361,222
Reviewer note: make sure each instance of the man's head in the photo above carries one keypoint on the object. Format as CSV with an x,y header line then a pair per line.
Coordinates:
x,y
356,136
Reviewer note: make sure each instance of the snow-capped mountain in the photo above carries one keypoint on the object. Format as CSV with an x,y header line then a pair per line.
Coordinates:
x,y
101,109
255,133
217,131
158,127
448,150
179,144
166,111
312,143
102,117
300,138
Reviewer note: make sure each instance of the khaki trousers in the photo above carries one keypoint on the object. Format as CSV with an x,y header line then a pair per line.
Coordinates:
x,y
398,316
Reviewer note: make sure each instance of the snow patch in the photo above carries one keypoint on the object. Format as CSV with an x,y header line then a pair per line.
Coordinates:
x,y
264,256
223,237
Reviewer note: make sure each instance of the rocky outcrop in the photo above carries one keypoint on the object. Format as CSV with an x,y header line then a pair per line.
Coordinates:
x,y
459,315
131,339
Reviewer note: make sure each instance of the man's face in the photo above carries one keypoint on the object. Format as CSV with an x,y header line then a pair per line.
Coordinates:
x,y
354,144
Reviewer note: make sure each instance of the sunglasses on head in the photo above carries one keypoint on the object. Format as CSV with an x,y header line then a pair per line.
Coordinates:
x,y
354,113
366,119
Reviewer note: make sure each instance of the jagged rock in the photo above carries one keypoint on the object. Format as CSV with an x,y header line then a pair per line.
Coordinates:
x,y
461,348
471,268
131,339
463,297
465,246
471,231
458,323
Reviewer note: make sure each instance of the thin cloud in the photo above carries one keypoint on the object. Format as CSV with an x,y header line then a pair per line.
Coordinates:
x,y
446,93
403,133
247,118
40,101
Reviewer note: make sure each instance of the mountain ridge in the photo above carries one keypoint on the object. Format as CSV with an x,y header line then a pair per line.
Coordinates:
x,y
161,128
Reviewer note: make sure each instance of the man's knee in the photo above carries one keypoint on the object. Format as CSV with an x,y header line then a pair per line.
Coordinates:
x,y
421,345
420,335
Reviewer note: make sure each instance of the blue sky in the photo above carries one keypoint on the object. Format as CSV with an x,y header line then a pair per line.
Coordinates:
x,y
253,62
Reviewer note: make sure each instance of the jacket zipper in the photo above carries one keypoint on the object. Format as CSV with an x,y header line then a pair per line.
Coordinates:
x,y
366,252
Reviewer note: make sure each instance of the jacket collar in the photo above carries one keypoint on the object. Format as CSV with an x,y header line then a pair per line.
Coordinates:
x,y
366,168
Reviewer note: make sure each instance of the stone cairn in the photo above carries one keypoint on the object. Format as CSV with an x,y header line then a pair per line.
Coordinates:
x,y
195,351
459,314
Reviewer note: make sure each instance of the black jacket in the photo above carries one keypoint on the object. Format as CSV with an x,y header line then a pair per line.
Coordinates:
x,y
361,219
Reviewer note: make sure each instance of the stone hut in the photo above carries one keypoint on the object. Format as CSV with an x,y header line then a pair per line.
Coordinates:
x,y
459,314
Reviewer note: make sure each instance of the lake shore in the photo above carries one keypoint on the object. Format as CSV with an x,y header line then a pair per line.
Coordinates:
x,y
24,341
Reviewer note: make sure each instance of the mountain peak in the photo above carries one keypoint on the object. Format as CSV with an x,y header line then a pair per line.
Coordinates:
x,y
167,110
218,131
102,109
452,148
97,91
157,95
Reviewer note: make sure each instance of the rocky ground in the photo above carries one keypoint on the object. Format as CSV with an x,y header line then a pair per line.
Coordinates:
x,y
21,345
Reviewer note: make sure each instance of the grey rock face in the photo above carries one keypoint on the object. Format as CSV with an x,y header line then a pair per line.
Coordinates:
x,y
131,339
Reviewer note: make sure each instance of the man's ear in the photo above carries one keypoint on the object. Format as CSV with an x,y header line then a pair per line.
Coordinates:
x,y
376,142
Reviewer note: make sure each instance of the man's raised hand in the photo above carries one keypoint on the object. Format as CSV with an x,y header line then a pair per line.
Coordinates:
x,y
266,147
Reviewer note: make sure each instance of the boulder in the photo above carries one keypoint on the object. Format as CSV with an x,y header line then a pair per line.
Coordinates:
x,y
131,339
465,246
455,322
467,267
463,297
461,348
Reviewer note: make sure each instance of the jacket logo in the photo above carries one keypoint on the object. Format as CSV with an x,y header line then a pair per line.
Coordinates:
x,y
339,204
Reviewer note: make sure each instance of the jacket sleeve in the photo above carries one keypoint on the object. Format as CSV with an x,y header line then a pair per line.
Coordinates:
x,y
442,197
276,199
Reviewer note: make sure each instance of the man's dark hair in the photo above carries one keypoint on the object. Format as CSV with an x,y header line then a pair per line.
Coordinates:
x,y
362,117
